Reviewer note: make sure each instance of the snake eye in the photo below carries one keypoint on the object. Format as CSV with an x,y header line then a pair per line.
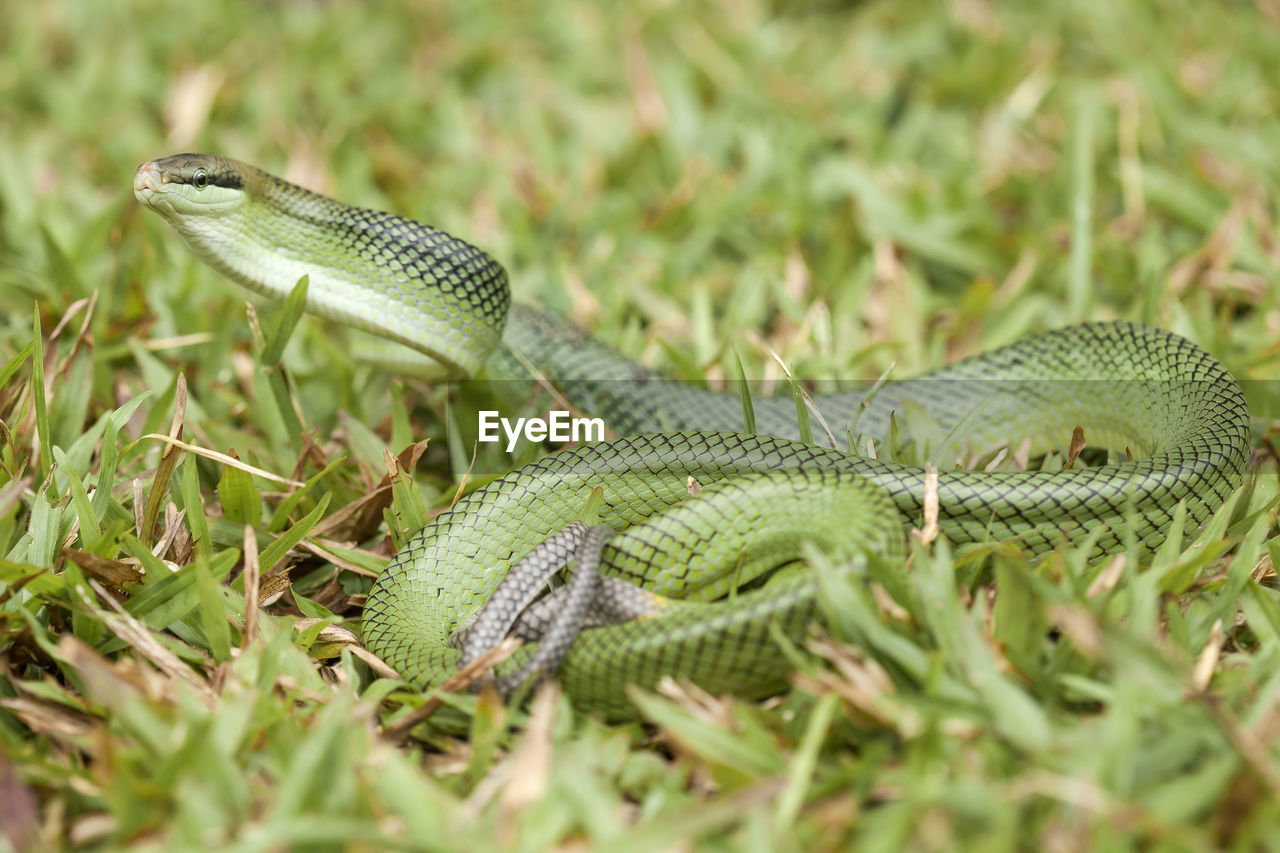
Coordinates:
x,y
200,179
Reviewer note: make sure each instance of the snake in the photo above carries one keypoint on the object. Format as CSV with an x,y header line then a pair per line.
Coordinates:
x,y
720,523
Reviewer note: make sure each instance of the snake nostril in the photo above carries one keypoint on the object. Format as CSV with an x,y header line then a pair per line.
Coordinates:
x,y
148,177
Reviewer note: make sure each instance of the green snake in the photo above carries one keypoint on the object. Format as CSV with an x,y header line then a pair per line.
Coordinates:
x,y
710,580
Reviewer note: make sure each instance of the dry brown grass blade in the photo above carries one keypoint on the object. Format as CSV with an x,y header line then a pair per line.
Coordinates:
x,y
1263,569
929,532
464,678
377,664
862,683
464,479
224,459
717,710
52,719
188,102
143,640
338,634
311,454
814,412
1081,627
113,572
542,383
168,461
647,104
888,607
271,587
139,502
12,492
175,539
1208,660
530,764
1022,455
105,681
1217,252
372,504
252,582
179,341
1076,446
83,336
1109,577
321,548
1256,753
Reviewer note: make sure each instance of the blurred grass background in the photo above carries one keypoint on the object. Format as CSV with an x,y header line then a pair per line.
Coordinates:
x,y
851,184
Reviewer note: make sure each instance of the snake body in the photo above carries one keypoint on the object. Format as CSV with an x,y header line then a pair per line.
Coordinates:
x,y
706,568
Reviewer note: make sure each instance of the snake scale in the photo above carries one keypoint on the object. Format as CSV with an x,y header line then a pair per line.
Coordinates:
x,y
712,577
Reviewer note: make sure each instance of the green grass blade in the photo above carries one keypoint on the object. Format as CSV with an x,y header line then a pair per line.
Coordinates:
x,y
290,314
276,551
213,615
43,432
744,394
239,497
1079,267
196,519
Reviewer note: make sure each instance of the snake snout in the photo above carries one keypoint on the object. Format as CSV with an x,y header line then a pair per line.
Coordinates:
x,y
148,178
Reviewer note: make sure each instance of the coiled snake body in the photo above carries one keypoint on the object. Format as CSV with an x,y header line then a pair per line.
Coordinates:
x,y
692,563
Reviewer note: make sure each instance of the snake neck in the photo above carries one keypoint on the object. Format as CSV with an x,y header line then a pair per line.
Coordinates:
x,y
399,279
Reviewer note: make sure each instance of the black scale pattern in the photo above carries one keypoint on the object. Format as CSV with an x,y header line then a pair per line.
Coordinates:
x,y
408,282
1190,412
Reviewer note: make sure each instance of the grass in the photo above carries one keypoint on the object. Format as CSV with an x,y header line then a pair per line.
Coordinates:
x,y
853,185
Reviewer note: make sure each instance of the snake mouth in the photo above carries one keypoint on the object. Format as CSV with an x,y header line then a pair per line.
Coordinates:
x,y
149,188
148,178
164,189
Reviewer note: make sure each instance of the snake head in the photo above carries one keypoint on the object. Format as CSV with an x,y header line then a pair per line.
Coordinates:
x,y
192,185
404,281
